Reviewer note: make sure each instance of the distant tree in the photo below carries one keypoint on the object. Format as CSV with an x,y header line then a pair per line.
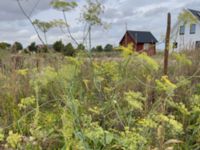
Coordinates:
x,y
58,46
93,49
99,48
69,50
80,47
4,45
32,47
44,49
108,48
17,46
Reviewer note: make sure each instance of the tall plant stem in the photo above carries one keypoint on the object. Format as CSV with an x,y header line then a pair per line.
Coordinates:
x,y
29,19
68,29
90,39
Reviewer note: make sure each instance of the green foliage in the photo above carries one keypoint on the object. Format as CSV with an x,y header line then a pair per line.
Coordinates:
x,y
58,23
69,50
108,48
14,139
182,59
26,102
63,5
126,51
82,103
4,45
98,48
17,47
171,124
92,12
80,47
135,100
58,46
43,26
1,135
148,61
166,86
32,47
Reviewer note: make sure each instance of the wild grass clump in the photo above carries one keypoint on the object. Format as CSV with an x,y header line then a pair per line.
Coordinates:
x,y
53,102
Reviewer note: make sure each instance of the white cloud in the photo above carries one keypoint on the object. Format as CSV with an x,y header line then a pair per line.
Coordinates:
x,y
33,38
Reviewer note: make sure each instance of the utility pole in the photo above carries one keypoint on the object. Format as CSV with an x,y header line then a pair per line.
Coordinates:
x,y
126,34
167,44
126,25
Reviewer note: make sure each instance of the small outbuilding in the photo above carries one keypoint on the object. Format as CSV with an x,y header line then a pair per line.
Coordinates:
x,y
143,41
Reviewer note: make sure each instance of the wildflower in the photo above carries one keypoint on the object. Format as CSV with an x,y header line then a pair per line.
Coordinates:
x,y
13,139
22,72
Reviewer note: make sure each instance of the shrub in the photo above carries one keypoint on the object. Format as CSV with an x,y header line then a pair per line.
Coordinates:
x,y
108,48
17,47
99,48
4,45
58,46
32,47
80,47
69,50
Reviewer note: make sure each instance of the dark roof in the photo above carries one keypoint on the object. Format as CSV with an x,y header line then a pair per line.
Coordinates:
x,y
196,13
142,36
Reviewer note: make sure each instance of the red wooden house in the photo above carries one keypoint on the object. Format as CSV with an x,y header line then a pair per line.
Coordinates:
x,y
143,41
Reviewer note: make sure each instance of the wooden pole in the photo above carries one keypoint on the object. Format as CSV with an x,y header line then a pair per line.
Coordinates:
x,y
167,44
126,35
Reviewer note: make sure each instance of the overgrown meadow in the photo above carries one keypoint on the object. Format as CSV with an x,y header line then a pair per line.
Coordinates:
x,y
53,102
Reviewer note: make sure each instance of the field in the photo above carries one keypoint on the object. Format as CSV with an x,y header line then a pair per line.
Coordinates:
x,y
86,102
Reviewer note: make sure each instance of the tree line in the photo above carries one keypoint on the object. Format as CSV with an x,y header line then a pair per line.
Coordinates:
x,y
66,49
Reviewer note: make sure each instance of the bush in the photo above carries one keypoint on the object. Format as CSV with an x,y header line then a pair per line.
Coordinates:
x,y
99,48
4,45
108,48
17,47
43,48
80,47
69,50
32,47
58,46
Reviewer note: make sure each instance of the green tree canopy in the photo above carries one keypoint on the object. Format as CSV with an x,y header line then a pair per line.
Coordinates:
x,y
4,45
80,47
108,48
69,50
32,47
58,46
17,46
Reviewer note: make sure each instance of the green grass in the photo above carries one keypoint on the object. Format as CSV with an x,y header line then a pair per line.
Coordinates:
x,y
49,101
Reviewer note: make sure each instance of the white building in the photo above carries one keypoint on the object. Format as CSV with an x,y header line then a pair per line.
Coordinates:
x,y
186,32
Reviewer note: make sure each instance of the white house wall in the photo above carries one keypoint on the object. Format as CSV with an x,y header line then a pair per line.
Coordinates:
x,y
186,41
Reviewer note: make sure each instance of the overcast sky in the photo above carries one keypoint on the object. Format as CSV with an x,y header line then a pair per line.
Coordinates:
x,y
147,15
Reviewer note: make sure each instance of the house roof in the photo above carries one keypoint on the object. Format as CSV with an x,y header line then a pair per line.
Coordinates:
x,y
142,36
196,13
